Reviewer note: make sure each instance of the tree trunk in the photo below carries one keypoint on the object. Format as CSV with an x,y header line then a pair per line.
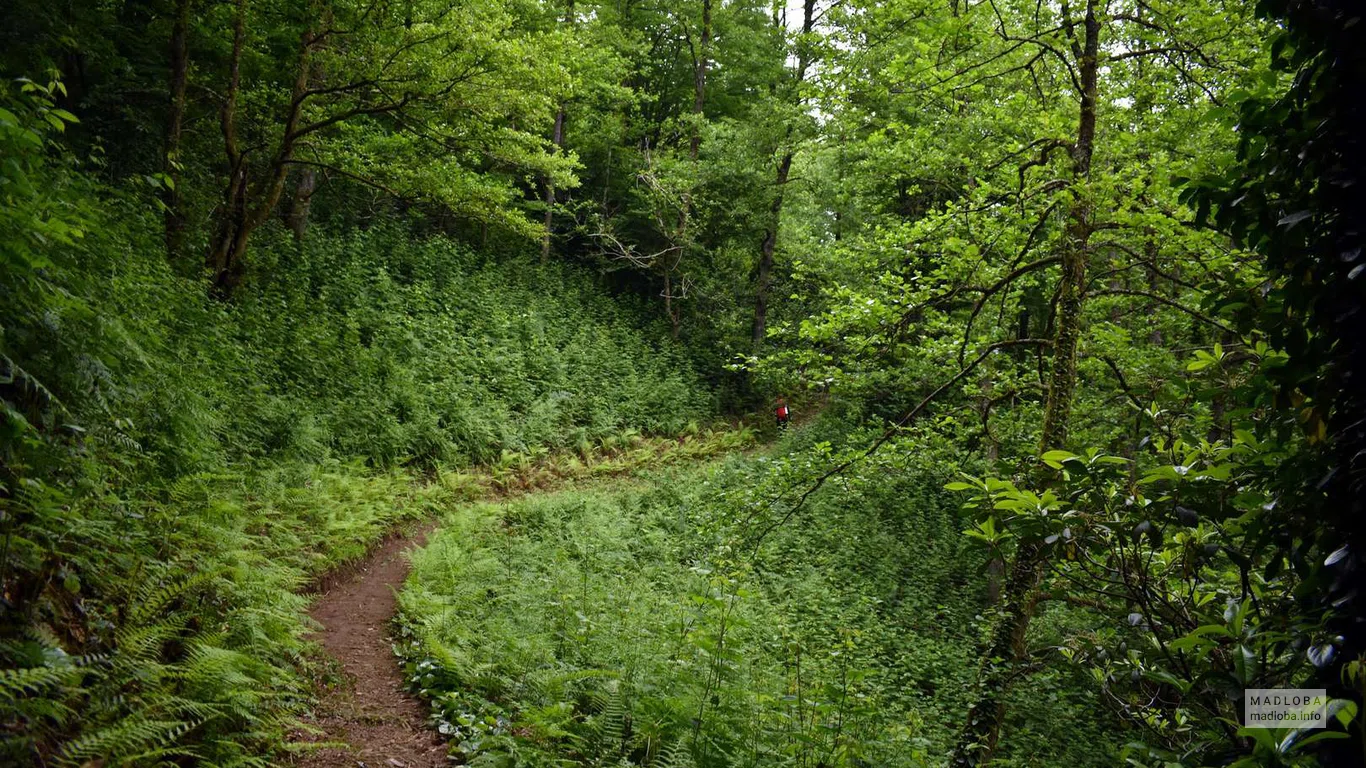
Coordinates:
x,y
669,309
700,80
1150,253
241,218
558,138
174,217
302,202
770,241
1003,659
996,566
222,267
1001,663
681,239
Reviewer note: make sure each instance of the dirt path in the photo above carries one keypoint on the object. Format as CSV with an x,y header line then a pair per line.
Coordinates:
x,y
369,711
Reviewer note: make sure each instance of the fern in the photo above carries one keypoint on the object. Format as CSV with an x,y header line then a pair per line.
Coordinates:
x,y
554,685
675,755
134,735
153,599
32,681
613,723
605,734
230,456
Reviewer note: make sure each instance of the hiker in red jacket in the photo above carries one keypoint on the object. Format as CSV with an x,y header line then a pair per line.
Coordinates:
x,y
781,412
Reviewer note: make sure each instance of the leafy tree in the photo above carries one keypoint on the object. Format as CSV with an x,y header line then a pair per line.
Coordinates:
x,y
1094,264
1292,195
385,82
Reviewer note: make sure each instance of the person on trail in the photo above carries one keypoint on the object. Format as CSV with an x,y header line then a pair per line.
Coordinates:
x,y
782,412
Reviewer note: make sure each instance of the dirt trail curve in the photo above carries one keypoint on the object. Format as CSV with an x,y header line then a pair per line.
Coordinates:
x,y
383,726
370,712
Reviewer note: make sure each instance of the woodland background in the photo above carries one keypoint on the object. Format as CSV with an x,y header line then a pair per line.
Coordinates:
x,y
1080,279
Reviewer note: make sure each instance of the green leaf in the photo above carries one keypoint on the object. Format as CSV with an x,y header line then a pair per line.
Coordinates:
x,y
1291,743
1055,459
1264,737
1344,710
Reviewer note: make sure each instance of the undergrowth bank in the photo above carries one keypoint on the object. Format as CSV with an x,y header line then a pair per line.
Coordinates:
x,y
176,469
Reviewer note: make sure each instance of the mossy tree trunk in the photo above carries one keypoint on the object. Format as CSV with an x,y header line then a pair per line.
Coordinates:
x,y
1004,660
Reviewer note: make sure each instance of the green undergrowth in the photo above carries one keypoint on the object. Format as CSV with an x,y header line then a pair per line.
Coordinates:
x,y
198,594
634,625
605,627
626,452
174,468
208,658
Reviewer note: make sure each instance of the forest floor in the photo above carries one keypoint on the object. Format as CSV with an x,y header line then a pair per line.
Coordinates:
x,y
364,717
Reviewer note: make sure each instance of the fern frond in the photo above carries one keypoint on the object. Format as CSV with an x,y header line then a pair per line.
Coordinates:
x,y
131,736
31,681
553,684
153,599
675,755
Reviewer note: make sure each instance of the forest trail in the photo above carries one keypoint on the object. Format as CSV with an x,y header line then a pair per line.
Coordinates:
x,y
369,711
367,718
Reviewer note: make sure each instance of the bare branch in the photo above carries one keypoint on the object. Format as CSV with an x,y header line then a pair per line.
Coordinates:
x,y
1139,261
1202,317
354,177
347,114
1123,382
1014,275
891,432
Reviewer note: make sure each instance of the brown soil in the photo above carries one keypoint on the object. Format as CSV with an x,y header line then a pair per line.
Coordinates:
x,y
369,712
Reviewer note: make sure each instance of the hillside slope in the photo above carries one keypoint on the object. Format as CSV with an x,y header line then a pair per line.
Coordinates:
x,y
175,469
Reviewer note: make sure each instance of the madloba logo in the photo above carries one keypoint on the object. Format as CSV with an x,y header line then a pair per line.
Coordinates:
x,y
1285,707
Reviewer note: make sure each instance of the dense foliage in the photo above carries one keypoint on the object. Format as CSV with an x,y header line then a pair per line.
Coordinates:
x,y
1077,285
176,469
627,624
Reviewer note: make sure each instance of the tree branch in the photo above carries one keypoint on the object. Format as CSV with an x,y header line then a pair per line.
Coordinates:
x,y
1014,275
1123,382
352,176
1202,317
886,436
